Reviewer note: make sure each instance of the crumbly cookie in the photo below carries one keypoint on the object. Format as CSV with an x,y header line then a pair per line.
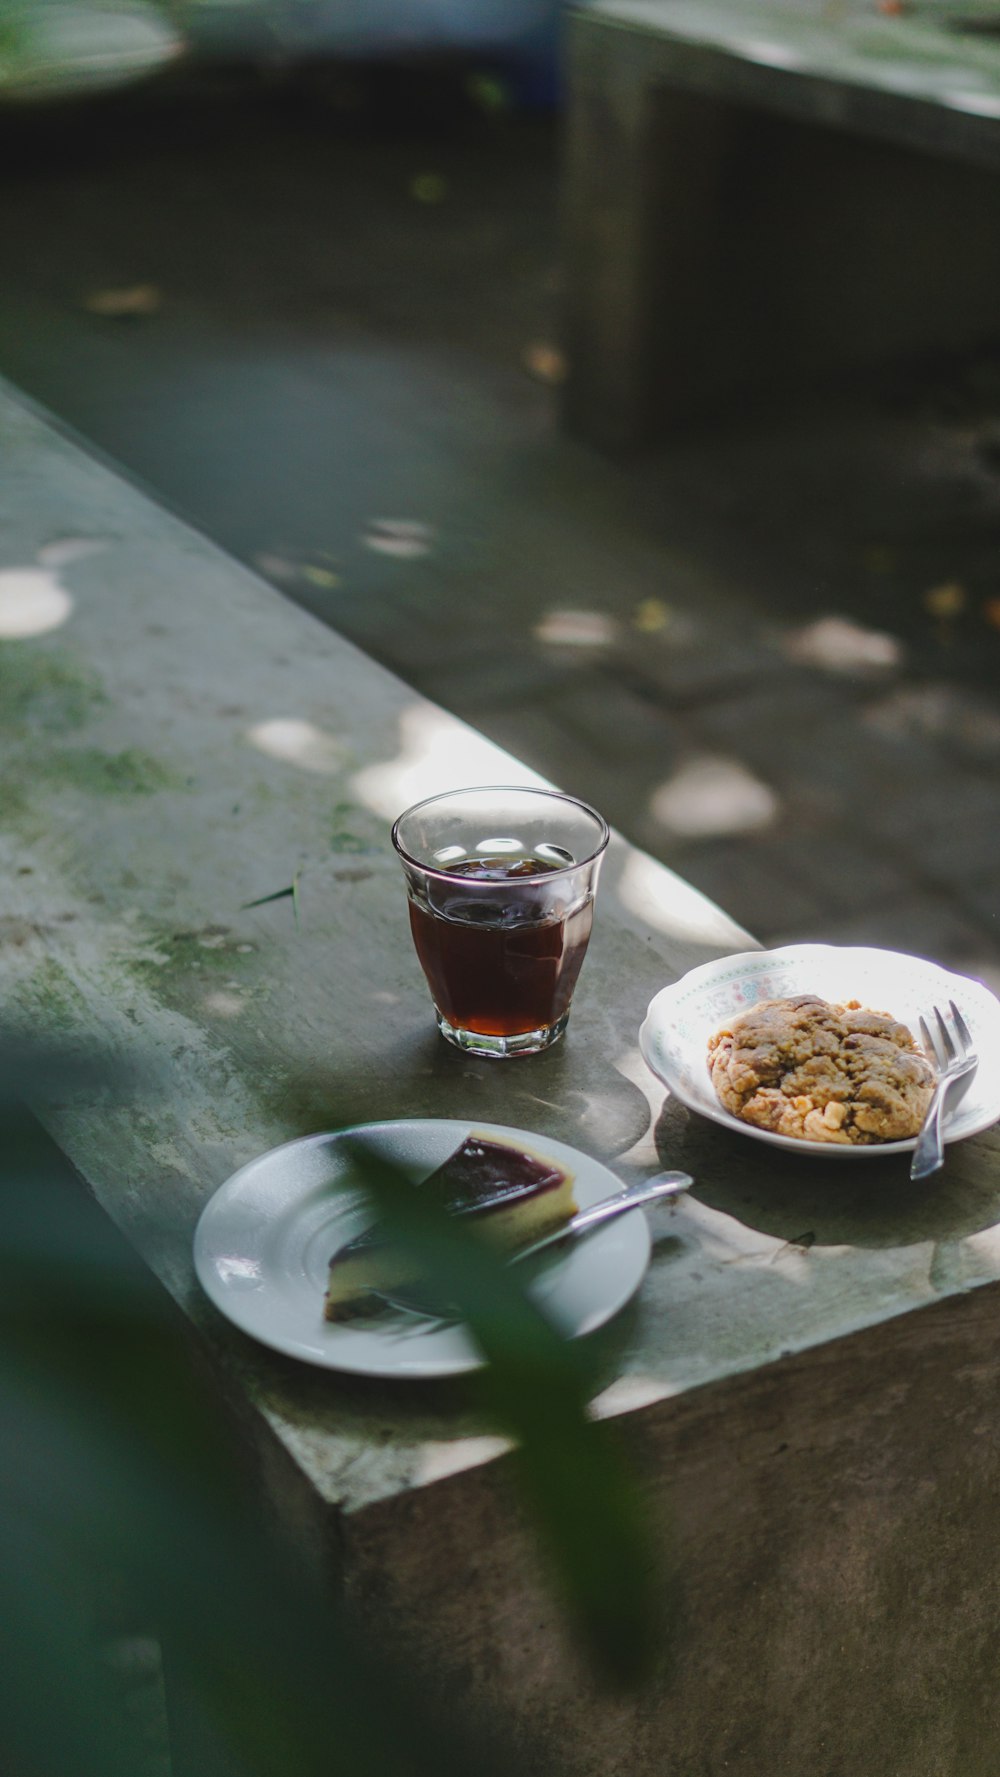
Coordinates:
x,y
805,1068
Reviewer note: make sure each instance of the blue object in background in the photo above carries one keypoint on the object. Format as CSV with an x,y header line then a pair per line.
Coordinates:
x,y
536,76
521,30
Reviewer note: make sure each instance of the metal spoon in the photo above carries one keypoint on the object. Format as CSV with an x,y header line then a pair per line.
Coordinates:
x,y
665,1184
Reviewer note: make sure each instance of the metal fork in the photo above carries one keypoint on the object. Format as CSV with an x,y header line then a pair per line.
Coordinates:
x,y
956,1062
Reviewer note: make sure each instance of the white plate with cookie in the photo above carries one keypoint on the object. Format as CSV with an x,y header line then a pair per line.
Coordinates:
x,y
684,1017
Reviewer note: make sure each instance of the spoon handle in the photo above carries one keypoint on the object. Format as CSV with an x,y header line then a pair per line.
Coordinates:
x,y
665,1184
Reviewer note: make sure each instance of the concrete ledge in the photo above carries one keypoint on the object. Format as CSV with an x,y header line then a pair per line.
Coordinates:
x,y
806,1380
918,80
756,200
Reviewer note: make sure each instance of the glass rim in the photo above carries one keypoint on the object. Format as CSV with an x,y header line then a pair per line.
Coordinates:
x,y
500,789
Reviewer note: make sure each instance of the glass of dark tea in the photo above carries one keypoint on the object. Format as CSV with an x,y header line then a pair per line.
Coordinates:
x,y
501,886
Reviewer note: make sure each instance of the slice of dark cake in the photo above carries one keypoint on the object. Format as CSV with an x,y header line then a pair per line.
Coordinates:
x,y
515,1197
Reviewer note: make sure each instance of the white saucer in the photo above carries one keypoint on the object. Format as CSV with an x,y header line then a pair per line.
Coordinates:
x,y
265,1239
682,1017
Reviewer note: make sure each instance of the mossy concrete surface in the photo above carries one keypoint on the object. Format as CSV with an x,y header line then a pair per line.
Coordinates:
x,y
813,1418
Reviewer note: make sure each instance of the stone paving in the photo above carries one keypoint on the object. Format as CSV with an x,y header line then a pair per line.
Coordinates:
x,y
770,654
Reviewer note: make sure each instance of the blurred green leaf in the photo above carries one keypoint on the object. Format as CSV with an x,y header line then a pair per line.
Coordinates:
x,y
118,1463
538,1385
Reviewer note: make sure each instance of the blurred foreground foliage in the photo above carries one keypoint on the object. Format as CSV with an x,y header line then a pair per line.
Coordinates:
x,y
116,1463
55,49
58,49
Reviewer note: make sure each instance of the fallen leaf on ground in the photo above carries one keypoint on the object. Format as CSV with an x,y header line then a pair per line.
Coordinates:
x,y
135,299
946,600
651,615
545,362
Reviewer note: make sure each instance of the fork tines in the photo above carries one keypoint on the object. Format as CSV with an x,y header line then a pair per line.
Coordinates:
x,y
964,1032
942,1049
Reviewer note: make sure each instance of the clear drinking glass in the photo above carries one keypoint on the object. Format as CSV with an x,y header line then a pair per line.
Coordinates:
x,y
501,884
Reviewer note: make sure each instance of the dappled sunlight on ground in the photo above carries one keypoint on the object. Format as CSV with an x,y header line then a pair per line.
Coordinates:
x,y
668,904
713,796
731,1242
577,629
300,743
224,1004
840,646
64,550
628,1393
981,104
436,753
32,599
769,54
405,538
985,1243
32,603
439,1458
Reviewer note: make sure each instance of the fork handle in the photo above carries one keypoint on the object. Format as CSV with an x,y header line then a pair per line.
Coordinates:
x,y
928,1155
665,1184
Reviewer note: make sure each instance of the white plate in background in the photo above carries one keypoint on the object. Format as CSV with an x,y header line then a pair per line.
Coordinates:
x,y
682,1017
